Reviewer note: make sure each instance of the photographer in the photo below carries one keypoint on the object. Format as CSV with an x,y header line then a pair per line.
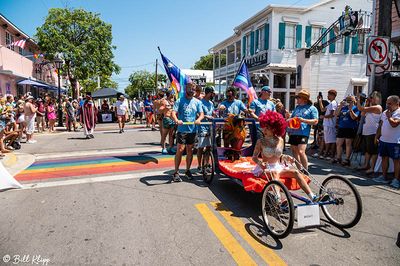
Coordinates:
x,y
347,114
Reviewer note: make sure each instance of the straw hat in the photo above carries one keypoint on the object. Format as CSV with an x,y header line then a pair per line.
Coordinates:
x,y
305,95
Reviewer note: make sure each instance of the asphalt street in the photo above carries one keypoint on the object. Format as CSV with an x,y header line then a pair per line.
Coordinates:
x,y
109,201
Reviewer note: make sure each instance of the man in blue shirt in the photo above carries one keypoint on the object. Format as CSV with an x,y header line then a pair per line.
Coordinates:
x,y
204,131
186,109
231,105
262,104
308,116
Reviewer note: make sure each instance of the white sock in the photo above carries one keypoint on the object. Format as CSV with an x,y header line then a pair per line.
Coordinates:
x,y
311,195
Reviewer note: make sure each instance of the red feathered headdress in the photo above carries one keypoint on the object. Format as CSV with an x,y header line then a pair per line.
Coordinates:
x,y
274,121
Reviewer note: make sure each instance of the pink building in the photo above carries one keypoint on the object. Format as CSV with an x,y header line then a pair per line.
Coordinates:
x,y
17,64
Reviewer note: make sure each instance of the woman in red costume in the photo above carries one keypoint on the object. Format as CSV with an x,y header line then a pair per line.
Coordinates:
x,y
270,146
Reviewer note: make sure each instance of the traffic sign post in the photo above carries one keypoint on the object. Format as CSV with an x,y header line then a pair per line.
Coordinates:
x,y
378,50
377,58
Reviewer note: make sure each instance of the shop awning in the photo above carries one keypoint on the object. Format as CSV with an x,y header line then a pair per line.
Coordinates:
x,y
107,93
32,83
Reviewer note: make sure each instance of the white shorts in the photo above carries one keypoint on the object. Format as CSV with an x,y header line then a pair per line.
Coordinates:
x,y
30,124
329,135
276,167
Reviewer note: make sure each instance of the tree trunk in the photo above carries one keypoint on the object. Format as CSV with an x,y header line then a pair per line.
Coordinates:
x,y
74,87
384,29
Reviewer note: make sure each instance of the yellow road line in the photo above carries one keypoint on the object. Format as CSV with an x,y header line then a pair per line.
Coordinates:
x,y
267,254
230,243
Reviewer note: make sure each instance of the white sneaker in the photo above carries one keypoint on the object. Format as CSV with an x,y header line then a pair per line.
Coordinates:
x,y
31,141
315,155
381,179
328,158
395,183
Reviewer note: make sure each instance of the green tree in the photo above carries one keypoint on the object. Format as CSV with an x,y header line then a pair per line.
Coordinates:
x,y
142,81
83,40
204,63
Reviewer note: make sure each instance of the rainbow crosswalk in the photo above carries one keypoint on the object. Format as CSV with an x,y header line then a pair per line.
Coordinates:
x,y
85,166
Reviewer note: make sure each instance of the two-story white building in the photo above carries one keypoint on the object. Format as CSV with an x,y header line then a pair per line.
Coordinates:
x,y
270,41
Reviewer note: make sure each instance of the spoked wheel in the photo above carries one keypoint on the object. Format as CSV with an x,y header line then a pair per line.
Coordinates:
x,y
277,209
346,210
208,166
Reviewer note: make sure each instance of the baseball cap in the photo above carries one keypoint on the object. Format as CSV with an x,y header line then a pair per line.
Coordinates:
x,y
266,88
208,90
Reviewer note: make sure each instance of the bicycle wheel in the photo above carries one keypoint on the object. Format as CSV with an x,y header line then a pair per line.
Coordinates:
x,y
277,209
346,211
208,166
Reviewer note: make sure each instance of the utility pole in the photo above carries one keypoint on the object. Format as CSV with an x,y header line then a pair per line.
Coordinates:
x,y
156,73
384,29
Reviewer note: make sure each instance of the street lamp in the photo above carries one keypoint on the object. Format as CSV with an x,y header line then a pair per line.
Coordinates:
x,y
58,62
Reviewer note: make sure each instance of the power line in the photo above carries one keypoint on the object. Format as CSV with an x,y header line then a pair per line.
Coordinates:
x,y
147,64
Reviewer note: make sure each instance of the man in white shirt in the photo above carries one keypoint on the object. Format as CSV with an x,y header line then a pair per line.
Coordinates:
x,y
389,140
329,123
122,110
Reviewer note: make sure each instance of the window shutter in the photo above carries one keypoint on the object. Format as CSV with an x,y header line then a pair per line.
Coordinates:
x,y
244,46
354,44
332,45
299,31
281,39
257,41
346,44
308,36
266,36
252,43
323,30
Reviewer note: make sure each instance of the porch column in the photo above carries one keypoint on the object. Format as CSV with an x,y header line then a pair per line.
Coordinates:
x,y
271,80
234,53
287,102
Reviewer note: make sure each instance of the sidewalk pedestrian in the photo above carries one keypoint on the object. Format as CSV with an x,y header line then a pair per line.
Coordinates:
x,y
372,111
121,111
30,115
347,114
70,115
168,124
149,112
51,114
186,109
389,140
88,115
40,115
307,114
329,126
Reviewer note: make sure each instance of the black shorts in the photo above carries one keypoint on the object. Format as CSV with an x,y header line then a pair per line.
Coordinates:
x,y
369,144
297,140
186,138
346,133
138,114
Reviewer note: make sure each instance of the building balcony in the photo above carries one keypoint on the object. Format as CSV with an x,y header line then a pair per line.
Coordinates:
x,y
15,64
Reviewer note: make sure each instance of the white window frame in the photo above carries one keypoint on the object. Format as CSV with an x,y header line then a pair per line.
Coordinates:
x,y
9,39
339,46
290,41
361,43
316,32
248,44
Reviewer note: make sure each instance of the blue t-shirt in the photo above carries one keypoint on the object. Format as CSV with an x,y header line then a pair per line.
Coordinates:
x,y
261,106
208,109
345,120
187,111
149,104
234,107
306,111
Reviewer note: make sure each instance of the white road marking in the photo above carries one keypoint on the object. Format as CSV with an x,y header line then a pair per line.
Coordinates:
x,y
135,149
92,180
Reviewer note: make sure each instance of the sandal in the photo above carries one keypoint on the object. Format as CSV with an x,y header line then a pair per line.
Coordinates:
x,y
346,162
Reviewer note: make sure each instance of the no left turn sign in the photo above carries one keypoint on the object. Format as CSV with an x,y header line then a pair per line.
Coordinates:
x,y
378,50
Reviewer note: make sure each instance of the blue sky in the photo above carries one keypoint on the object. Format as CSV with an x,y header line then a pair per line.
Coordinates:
x,y
184,30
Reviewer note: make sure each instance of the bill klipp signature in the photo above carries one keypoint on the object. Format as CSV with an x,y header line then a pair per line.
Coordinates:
x,y
26,259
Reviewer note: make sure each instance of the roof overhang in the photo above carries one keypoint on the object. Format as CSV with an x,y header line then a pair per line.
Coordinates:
x,y
359,81
14,27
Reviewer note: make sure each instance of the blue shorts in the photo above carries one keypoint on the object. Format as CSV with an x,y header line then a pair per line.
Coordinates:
x,y
391,150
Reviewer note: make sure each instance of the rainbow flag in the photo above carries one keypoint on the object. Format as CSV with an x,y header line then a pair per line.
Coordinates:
x,y
243,81
176,77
